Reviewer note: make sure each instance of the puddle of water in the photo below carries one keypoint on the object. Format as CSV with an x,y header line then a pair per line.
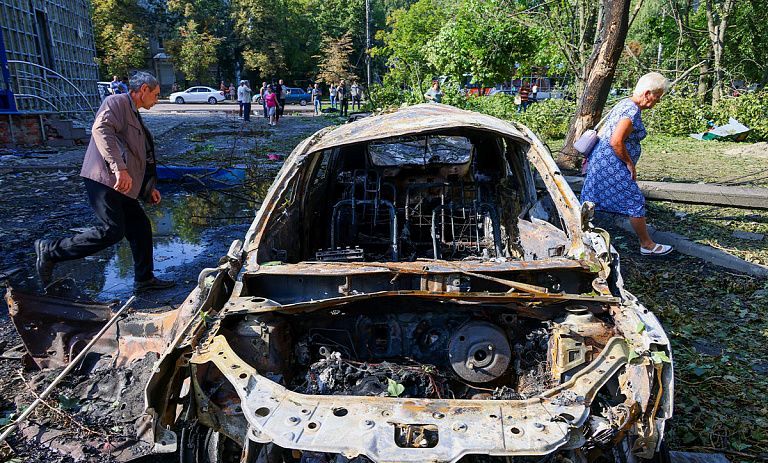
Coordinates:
x,y
178,225
168,252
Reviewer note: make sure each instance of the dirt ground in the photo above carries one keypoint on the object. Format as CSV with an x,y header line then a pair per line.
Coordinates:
x,y
716,320
43,197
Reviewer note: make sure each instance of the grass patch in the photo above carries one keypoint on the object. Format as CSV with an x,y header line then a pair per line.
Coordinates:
x,y
714,226
717,323
683,159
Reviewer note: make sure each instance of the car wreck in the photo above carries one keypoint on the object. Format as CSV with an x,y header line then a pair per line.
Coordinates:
x,y
419,285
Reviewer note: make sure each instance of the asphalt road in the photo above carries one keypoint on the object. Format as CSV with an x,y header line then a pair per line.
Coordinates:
x,y
224,106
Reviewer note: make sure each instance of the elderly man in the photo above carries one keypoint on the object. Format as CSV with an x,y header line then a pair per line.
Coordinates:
x,y
118,170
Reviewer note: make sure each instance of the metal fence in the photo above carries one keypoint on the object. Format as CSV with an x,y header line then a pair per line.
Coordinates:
x,y
51,55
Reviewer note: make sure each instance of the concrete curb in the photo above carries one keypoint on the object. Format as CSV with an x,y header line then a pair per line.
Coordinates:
x,y
709,254
695,193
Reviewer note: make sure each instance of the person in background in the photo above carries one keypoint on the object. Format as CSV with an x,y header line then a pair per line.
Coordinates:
x,y
332,95
534,93
611,182
175,87
271,103
119,169
240,97
316,99
342,97
434,94
223,88
124,85
524,93
282,92
114,86
263,95
355,92
232,92
244,97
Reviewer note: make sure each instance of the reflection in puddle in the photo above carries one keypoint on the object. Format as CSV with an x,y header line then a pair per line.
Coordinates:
x,y
179,224
169,252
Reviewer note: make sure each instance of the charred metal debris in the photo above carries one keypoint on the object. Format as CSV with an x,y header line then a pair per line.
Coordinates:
x,y
406,293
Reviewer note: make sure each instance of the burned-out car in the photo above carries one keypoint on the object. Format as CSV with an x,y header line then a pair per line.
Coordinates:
x,y
418,286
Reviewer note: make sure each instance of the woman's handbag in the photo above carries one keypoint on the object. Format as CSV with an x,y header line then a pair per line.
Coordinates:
x,y
588,139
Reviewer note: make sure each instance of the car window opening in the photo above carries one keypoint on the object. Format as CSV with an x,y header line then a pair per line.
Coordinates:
x,y
451,196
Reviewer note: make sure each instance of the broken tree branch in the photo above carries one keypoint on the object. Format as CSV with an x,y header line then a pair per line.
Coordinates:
x,y
686,72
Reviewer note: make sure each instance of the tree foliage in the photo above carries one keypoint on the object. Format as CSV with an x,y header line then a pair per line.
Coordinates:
x,y
334,62
404,45
194,52
480,38
120,45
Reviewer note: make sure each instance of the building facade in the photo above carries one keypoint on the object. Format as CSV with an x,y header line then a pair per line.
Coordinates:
x,y
50,54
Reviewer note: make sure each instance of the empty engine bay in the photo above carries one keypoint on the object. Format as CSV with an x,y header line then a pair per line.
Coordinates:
x,y
448,196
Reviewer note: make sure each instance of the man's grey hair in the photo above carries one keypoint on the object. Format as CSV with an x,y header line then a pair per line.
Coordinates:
x,y
652,82
140,78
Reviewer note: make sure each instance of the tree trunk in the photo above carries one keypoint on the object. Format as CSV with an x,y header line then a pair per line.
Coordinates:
x,y
717,23
602,66
704,78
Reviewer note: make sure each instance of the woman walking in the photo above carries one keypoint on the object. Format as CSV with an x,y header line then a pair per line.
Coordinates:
x,y
270,99
611,181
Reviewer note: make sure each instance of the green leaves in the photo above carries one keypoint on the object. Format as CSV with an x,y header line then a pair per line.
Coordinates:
x,y
659,357
394,389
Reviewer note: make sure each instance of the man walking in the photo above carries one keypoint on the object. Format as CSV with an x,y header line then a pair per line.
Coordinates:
x,y
342,97
119,169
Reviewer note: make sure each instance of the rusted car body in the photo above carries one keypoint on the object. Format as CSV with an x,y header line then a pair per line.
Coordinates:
x,y
420,285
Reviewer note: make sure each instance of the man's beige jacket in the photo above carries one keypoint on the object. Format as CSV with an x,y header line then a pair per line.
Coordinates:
x,y
117,142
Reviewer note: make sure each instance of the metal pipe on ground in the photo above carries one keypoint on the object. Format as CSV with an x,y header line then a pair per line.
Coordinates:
x,y
72,364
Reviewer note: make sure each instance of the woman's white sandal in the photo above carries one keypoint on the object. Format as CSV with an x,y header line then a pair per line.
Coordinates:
x,y
658,250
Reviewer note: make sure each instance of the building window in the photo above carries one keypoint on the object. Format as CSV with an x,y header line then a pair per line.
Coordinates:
x,y
43,40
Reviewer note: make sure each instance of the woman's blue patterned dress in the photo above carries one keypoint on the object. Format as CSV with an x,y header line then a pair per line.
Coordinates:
x,y
609,184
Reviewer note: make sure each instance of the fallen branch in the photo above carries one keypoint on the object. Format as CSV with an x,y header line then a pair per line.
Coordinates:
x,y
61,412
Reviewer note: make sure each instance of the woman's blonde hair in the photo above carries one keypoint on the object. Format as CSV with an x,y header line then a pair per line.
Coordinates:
x,y
652,82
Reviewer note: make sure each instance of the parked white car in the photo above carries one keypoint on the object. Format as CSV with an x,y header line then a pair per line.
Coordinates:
x,y
197,95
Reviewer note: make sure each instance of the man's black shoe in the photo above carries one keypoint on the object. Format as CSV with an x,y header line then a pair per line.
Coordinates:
x,y
43,264
153,284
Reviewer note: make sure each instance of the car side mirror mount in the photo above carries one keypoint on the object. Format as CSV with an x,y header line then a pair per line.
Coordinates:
x,y
587,214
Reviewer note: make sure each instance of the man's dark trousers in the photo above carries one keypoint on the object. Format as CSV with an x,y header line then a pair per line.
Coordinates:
x,y
120,216
247,111
280,108
344,108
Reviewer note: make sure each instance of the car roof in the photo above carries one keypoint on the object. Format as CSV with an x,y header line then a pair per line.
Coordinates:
x,y
413,120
